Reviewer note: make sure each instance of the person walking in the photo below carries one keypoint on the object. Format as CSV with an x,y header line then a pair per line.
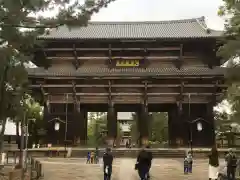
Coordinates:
x,y
231,161
213,164
150,156
107,164
142,165
190,161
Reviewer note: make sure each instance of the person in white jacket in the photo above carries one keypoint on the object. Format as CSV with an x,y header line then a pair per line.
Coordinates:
x,y
213,164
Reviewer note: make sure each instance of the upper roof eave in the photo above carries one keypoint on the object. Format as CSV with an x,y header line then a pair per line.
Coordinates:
x,y
128,39
194,28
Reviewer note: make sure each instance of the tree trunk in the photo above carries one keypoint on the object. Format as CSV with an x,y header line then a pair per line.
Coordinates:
x,y
17,129
17,133
21,161
4,121
2,105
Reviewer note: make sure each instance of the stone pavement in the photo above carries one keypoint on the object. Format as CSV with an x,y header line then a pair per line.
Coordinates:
x,y
76,169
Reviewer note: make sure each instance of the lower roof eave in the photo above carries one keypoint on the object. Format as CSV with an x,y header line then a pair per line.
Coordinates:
x,y
199,76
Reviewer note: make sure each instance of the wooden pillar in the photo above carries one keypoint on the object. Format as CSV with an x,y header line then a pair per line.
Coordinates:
x,y
111,124
143,125
204,137
144,118
211,124
175,127
80,126
85,125
111,118
171,137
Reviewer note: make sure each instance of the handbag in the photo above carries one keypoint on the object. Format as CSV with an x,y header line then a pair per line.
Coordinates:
x,y
136,166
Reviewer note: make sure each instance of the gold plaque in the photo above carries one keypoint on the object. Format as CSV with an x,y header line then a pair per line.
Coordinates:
x,y
127,63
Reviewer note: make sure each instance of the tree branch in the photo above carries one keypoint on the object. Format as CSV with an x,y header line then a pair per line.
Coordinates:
x,y
84,13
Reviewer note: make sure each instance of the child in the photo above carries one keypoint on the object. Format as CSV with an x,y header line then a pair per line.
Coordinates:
x,y
92,157
186,165
96,155
190,162
88,158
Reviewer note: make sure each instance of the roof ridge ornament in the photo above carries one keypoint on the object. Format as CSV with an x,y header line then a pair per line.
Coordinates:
x,y
201,22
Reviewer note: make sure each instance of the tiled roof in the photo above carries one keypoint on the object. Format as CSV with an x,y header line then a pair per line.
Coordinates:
x,y
127,72
187,28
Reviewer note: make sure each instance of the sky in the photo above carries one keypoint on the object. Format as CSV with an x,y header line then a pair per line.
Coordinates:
x,y
155,10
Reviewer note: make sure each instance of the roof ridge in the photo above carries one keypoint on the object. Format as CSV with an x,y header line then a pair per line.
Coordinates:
x,y
201,19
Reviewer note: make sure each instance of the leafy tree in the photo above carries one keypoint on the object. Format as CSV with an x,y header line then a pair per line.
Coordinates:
x,y
21,23
234,100
158,124
97,125
231,49
134,128
159,127
220,118
28,112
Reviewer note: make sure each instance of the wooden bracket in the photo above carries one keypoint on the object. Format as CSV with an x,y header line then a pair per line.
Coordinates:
x,y
110,55
145,57
215,91
45,98
180,97
145,95
76,61
45,57
110,102
179,61
76,101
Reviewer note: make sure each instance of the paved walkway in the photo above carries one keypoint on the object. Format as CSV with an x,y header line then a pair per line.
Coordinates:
x,y
123,169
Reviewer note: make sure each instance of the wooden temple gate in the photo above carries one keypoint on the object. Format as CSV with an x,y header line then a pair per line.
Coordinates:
x,y
112,67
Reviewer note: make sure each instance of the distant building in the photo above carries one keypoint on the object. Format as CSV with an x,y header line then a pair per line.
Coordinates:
x,y
125,119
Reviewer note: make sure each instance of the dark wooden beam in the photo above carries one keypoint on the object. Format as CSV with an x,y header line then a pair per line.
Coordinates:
x,y
122,57
140,94
114,49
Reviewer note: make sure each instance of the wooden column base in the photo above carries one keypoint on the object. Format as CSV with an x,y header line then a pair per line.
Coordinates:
x,y
110,141
144,141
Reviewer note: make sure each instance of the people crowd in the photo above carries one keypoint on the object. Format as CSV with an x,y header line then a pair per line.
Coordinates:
x,y
144,162
228,172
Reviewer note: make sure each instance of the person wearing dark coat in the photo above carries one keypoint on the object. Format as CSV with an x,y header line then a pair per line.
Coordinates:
x,y
107,164
142,165
231,161
150,156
